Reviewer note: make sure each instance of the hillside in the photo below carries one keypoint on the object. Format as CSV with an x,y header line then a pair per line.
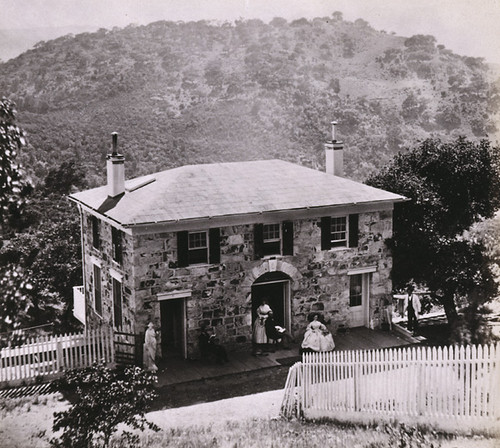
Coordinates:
x,y
181,93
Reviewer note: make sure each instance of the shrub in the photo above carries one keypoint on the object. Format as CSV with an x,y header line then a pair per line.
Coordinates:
x,y
104,399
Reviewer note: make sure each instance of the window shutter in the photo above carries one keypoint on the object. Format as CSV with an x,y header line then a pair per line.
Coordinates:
x,y
258,241
214,242
353,230
326,233
182,249
287,231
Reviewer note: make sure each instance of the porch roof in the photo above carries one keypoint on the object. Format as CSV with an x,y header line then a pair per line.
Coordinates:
x,y
228,189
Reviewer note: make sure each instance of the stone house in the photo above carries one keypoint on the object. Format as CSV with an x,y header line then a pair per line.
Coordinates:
x,y
204,244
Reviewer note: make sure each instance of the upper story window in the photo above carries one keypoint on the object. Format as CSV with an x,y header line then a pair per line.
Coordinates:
x,y
339,231
200,247
273,239
117,244
95,233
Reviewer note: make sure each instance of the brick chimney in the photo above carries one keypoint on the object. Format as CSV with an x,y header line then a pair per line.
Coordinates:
x,y
334,155
115,165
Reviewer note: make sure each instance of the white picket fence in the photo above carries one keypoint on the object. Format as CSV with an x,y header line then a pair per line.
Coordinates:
x,y
450,388
49,356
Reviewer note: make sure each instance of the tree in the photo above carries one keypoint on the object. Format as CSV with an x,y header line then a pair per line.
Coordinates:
x,y
451,186
39,267
13,188
105,399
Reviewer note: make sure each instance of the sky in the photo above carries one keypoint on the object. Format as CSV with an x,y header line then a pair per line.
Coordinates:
x,y
468,27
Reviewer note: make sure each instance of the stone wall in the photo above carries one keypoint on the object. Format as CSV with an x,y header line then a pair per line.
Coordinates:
x,y
221,294
104,257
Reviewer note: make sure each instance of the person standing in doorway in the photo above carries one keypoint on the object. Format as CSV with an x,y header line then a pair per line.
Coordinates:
x,y
413,308
259,328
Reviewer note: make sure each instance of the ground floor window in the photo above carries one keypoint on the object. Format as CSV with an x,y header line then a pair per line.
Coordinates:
x,y
356,290
117,303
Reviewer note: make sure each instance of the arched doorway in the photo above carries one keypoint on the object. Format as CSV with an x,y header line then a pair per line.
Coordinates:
x,y
275,288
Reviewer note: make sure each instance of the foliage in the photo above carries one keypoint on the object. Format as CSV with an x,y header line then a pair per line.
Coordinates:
x,y
13,188
40,266
105,399
451,186
246,90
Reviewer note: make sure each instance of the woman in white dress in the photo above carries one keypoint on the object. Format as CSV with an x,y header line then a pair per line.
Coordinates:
x,y
317,338
150,349
259,326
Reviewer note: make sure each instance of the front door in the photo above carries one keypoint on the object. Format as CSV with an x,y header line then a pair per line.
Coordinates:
x,y
358,300
276,293
172,328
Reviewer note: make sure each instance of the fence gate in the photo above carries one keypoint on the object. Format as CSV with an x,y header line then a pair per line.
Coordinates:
x,y
128,348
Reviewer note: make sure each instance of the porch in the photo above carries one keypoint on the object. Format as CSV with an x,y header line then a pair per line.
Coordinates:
x,y
176,371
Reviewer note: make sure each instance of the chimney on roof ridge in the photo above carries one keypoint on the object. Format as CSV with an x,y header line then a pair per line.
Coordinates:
x,y
334,155
115,167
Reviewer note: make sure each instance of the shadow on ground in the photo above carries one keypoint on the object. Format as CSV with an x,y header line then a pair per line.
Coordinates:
x,y
219,388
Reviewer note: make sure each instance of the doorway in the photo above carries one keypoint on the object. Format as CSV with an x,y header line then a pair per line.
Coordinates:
x,y
274,287
172,313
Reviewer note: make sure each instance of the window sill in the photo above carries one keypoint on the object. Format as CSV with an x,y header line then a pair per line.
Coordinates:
x,y
339,248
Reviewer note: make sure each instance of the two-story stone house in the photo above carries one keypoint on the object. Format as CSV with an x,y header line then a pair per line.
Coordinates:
x,y
206,243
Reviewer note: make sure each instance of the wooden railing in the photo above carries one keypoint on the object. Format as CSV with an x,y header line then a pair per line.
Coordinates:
x,y
47,357
451,387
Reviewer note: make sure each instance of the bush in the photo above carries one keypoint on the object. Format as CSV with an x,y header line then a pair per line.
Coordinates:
x,y
104,399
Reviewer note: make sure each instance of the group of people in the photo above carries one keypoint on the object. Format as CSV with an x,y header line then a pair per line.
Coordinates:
x,y
266,333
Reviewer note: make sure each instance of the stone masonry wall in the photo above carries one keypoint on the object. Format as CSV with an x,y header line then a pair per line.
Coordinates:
x,y
221,294
104,255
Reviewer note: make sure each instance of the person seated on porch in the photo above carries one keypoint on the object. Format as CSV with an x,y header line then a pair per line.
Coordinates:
x,y
203,342
275,333
210,347
218,351
317,337
259,328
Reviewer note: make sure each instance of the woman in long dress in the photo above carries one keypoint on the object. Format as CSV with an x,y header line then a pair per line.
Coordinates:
x,y
317,338
259,327
150,349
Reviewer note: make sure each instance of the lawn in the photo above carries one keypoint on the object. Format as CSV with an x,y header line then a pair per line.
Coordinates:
x,y
248,421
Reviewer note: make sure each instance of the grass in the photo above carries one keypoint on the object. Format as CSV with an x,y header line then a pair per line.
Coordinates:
x,y
260,433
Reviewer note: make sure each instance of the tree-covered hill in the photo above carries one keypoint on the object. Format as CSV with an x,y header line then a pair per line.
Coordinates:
x,y
196,92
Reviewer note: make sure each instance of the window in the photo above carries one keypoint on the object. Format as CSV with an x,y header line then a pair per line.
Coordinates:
x,y
273,239
198,247
339,231
116,241
97,290
95,232
117,303
355,290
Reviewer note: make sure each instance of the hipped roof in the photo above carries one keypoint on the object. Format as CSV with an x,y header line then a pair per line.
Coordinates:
x,y
228,189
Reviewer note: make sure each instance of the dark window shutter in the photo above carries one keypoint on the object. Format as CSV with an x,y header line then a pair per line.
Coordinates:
x,y
258,241
353,230
182,249
214,241
326,233
287,231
